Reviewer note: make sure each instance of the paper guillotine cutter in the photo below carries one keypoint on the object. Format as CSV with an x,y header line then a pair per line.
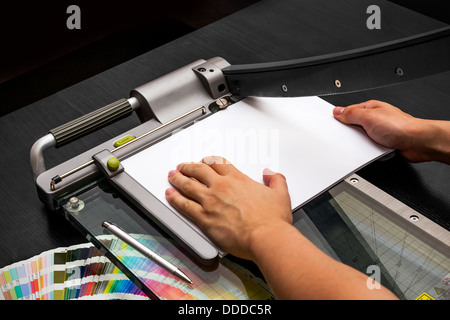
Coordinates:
x,y
201,89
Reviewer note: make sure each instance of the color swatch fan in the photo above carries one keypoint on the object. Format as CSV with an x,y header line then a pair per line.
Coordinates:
x,y
76,272
82,272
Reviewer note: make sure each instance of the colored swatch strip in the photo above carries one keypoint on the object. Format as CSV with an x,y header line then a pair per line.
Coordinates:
x,y
82,272
76,272
229,281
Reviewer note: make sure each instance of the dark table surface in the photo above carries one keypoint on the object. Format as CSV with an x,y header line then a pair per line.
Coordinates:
x,y
269,30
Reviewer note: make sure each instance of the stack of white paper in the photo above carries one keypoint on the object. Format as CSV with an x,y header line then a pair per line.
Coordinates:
x,y
297,137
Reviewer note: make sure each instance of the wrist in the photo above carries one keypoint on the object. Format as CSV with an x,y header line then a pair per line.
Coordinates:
x,y
266,238
432,140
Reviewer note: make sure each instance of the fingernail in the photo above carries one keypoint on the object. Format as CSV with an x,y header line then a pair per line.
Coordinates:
x,y
169,191
268,172
338,110
178,166
172,172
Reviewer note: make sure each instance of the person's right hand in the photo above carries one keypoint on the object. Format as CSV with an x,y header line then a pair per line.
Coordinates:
x,y
417,139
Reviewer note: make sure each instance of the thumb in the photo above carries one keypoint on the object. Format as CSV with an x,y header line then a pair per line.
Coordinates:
x,y
275,181
350,115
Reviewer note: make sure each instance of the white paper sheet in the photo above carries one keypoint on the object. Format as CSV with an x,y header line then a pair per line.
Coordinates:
x,y
297,137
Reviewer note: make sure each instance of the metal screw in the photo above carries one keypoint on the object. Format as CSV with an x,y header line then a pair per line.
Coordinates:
x,y
74,202
75,205
222,103
201,69
284,88
337,83
414,218
354,180
399,72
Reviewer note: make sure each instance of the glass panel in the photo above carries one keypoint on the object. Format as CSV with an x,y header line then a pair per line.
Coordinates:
x,y
367,236
345,224
229,278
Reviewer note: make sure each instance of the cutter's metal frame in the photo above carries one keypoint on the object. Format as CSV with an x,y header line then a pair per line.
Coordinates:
x,y
172,101
164,105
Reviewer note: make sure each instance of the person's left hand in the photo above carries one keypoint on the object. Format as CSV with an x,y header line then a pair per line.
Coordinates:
x,y
231,208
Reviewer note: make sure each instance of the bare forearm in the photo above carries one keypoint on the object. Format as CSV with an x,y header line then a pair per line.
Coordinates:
x,y
301,271
433,140
254,221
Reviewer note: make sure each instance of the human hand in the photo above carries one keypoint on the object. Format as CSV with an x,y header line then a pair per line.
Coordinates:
x,y
231,208
388,126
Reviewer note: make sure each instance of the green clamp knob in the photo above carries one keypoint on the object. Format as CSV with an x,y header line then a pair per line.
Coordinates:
x,y
113,164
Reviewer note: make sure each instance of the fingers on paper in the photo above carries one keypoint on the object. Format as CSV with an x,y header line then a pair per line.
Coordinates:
x,y
199,171
220,165
275,181
189,187
189,208
354,114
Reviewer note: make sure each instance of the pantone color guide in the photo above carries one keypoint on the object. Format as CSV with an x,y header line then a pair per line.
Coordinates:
x,y
76,272
82,272
229,281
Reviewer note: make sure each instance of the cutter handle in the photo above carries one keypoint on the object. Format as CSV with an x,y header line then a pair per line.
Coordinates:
x,y
92,121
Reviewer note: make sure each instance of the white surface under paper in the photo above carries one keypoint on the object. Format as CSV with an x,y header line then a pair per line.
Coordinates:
x,y
297,137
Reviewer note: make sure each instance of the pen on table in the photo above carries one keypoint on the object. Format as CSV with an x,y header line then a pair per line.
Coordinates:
x,y
125,237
